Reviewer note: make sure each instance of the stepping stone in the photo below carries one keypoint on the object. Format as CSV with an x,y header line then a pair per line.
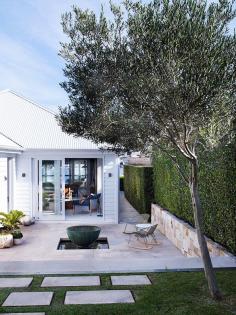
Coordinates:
x,y
15,282
71,281
130,280
22,313
99,297
28,299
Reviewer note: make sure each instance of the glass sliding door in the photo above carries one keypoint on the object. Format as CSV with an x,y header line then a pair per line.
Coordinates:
x,y
80,176
51,187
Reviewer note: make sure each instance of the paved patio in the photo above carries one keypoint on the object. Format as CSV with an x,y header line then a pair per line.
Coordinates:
x,y
38,253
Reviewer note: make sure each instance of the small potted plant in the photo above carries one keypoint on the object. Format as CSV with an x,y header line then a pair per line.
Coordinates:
x,y
10,223
17,237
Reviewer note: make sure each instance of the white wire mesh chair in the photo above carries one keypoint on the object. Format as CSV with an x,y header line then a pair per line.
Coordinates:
x,y
143,235
143,218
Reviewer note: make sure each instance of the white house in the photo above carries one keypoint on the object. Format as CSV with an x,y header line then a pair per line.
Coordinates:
x,y
45,172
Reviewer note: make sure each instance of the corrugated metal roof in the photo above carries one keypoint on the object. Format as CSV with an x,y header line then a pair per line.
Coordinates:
x,y
34,127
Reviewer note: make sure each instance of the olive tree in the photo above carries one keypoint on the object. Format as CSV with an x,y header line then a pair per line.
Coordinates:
x,y
153,76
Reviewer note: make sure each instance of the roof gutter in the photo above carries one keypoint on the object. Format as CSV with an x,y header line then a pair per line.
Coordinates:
x,y
10,150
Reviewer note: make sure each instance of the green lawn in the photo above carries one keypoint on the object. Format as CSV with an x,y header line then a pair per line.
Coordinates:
x,y
176,293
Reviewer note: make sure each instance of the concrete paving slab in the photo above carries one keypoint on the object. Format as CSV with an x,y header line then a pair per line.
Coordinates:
x,y
23,314
28,299
15,282
99,297
71,281
115,265
130,280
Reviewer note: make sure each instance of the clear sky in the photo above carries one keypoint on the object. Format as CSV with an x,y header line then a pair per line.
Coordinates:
x,y
30,33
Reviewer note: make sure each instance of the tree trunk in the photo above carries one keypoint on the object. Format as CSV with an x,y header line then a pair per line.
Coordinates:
x,y
198,218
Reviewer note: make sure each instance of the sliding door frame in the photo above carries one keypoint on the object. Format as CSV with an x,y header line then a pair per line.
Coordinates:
x,y
51,216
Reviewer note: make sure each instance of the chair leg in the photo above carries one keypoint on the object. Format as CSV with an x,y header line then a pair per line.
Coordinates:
x,y
155,240
125,227
90,209
146,246
98,207
145,241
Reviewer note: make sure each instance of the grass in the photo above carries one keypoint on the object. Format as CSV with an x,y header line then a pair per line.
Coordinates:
x,y
176,293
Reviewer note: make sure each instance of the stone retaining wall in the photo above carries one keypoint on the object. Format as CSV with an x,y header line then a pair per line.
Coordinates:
x,y
181,234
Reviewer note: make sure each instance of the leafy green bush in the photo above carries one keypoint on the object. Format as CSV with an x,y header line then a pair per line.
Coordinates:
x,y
17,234
170,191
217,173
138,187
11,221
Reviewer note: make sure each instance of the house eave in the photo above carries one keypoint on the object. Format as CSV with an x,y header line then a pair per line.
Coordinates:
x,y
10,150
69,150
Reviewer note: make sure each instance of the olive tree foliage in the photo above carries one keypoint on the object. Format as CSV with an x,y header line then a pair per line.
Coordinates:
x,y
154,76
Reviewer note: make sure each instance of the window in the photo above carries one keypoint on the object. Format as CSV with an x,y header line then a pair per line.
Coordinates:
x,y
80,173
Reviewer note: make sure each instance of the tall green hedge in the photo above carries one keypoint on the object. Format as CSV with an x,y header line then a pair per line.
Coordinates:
x,y
217,186
138,186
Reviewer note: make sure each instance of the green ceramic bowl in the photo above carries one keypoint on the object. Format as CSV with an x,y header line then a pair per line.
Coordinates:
x,y
83,235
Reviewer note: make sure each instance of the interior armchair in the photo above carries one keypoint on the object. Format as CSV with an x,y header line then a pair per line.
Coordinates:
x,y
86,202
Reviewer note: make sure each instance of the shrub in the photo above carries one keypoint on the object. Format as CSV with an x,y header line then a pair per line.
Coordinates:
x,y
11,221
217,173
138,187
17,234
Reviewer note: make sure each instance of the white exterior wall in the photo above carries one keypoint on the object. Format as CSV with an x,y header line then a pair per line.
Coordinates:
x,y
25,192
3,184
99,175
23,185
110,189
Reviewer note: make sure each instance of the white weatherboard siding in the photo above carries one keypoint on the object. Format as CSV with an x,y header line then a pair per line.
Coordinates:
x,y
3,184
99,175
111,188
23,185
